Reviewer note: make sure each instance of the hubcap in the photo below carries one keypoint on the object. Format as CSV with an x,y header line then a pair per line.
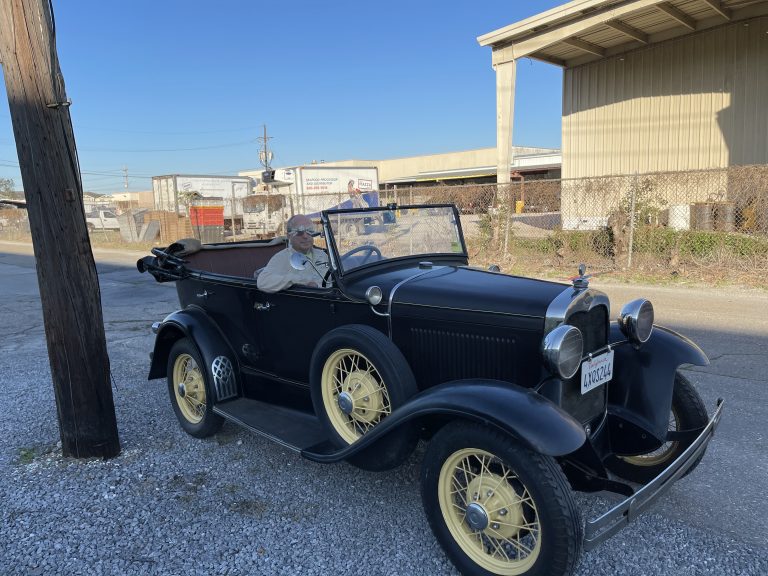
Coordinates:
x,y
346,403
477,517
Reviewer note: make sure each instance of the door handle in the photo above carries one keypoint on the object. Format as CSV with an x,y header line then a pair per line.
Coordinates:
x,y
266,307
205,294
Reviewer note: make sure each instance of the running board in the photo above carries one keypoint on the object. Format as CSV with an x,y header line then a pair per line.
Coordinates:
x,y
294,429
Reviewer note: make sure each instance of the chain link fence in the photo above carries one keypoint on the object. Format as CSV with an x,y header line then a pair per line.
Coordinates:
x,y
706,225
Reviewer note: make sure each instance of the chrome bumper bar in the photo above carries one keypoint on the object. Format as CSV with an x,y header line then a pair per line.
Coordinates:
x,y
616,518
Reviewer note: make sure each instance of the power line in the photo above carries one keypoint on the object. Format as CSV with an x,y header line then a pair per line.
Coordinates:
x,y
153,150
160,133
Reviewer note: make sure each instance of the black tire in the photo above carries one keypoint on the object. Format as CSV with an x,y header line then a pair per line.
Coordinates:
x,y
517,517
357,378
688,413
189,390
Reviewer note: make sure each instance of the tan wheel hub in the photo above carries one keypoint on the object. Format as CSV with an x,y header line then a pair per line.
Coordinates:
x,y
361,398
499,503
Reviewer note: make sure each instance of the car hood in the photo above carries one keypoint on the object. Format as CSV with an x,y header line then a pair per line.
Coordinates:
x,y
470,289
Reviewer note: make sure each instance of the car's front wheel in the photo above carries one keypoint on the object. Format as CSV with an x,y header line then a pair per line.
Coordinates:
x,y
188,388
358,377
496,507
688,413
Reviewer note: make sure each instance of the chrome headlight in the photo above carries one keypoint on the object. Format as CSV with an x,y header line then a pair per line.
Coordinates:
x,y
562,349
374,295
636,320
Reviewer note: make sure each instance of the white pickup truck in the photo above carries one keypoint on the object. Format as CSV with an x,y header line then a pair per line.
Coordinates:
x,y
101,220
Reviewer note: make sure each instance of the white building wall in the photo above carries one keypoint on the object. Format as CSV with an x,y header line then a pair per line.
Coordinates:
x,y
691,103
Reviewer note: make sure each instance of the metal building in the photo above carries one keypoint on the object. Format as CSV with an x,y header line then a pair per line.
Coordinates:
x,y
648,85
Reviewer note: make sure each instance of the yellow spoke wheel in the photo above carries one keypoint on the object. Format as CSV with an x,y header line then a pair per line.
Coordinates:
x,y
355,396
489,512
188,390
688,414
661,454
496,506
358,378
189,387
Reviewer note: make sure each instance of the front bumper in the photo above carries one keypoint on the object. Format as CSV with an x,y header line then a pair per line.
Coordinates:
x,y
605,526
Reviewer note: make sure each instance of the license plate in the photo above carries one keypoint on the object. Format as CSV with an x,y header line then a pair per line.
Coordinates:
x,y
596,372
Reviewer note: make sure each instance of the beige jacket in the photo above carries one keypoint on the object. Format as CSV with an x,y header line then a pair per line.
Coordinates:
x,y
278,274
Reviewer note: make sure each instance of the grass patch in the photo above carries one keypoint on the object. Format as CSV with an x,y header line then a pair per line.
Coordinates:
x,y
27,455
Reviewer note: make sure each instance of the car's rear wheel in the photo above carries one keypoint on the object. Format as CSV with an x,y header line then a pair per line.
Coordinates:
x,y
189,391
496,507
688,413
358,377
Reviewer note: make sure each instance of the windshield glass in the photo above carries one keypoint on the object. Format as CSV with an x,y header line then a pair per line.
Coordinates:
x,y
363,237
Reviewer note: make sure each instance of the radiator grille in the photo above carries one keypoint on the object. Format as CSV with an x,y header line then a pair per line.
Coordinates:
x,y
593,325
594,328
442,355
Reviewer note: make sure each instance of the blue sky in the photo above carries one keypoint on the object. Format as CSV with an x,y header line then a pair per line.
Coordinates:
x,y
168,86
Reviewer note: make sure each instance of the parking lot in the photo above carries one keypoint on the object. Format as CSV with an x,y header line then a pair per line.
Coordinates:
x,y
237,504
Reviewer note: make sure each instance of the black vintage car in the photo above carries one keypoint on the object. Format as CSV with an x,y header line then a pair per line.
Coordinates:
x,y
523,389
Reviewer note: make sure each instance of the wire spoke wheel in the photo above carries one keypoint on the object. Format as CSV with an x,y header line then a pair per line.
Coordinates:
x,y
189,387
687,413
358,377
355,396
189,392
662,453
489,512
497,507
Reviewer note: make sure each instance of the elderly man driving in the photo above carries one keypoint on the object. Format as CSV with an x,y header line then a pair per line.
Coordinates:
x,y
279,274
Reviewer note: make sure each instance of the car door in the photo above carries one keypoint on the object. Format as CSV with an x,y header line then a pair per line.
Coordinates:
x,y
287,325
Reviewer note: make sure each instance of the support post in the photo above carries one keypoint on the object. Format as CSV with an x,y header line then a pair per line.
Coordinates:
x,y
66,271
505,111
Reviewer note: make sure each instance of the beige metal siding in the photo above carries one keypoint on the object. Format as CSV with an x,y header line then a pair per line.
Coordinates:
x,y
696,102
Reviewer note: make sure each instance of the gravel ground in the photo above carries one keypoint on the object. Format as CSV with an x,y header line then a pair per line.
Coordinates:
x,y
238,504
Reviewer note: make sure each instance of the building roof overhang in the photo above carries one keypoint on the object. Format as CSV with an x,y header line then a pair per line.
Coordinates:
x,y
584,31
523,163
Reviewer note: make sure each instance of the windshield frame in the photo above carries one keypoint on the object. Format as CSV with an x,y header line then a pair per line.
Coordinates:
x,y
335,256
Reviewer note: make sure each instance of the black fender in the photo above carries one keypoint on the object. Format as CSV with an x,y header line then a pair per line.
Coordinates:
x,y
522,413
195,324
640,393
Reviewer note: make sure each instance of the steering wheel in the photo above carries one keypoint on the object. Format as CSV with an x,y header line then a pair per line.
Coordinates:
x,y
369,249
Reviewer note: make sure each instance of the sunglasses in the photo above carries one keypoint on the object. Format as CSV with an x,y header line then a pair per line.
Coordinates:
x,y
302,230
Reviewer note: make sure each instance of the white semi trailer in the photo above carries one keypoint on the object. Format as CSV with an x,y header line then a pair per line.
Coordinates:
x,y
308,190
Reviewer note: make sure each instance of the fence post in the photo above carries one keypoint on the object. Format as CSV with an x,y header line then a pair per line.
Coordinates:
x,y
633,190
510,204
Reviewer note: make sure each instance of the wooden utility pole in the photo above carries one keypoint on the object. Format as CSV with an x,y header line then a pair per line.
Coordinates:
x,y
66,271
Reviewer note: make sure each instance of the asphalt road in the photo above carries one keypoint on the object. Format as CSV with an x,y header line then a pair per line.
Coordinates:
x,y
714,521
